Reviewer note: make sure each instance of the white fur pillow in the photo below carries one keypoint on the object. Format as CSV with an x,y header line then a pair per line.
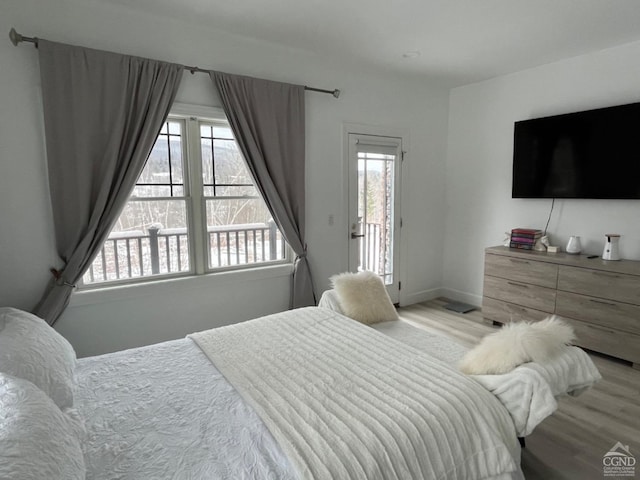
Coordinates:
x,y
37,440
31,349
515,344
363,297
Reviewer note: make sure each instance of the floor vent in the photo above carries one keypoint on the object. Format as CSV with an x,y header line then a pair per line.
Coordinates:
x,y
460,307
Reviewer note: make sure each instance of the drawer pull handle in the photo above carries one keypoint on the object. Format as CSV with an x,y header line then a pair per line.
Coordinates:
x,y
609,304
515,260
518,284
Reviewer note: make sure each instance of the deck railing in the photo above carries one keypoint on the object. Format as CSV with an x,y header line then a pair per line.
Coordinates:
x,y
245,244
371,253
134,254
375,251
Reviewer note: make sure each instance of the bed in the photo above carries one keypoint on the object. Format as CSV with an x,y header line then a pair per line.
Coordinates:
x,y
529,392
302,394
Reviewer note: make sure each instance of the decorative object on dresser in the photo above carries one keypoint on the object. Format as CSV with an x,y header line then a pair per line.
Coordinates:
x,y
524,238
599,298
542,244
573,245
611,251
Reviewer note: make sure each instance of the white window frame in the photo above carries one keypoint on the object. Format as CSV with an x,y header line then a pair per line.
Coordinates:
x,y
195,207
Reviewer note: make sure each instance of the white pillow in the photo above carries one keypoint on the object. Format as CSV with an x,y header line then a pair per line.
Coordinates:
x,y
37,440
363,297
515,344
31,349
329,299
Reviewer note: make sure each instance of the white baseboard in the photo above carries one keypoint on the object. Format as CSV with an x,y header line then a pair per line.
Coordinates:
x,y
452,294
421,296
458,296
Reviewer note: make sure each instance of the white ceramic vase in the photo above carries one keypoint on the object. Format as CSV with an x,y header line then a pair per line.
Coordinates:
x,y
573,245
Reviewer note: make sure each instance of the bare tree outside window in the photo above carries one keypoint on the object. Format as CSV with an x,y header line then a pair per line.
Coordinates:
x,y
152,235
231,199
375,189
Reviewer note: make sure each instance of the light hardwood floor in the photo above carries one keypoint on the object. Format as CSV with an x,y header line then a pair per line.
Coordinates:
x,y
570,444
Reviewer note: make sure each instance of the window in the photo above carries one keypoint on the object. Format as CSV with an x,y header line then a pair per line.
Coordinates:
x,y
194,209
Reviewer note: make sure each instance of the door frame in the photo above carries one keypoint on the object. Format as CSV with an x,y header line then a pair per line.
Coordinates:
x,y
381,131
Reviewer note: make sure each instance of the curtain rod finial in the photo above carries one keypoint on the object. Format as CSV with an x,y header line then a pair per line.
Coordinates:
x,y
336,93
15,37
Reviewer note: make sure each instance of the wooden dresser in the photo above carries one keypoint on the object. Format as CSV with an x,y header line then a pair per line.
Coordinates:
x,y
600,298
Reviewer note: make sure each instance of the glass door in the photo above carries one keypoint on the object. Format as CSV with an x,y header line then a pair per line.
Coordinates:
x,y
374,207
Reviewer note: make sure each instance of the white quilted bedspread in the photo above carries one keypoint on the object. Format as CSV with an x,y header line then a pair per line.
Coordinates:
x,y
345,401
163,412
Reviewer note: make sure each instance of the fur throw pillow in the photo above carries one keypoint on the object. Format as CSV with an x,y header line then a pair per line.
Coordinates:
x,y
363,297
515,344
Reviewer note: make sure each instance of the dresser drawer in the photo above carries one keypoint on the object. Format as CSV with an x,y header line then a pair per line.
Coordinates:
x,y
596,283
601,299
504,312
520,293
521,270
606,313
606,340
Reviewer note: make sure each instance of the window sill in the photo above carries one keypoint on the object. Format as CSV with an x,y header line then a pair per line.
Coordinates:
x,y
169,286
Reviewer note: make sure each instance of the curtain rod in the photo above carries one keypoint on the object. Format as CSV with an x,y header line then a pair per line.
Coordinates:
x,y
16,38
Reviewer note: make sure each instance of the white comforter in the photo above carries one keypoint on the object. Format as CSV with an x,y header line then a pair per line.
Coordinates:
x,y
529,392
345,401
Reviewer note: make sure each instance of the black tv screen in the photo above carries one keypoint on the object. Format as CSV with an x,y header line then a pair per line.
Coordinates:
x,y
590,154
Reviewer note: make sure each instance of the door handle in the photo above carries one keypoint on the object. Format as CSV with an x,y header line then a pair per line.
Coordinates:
x,y
355,235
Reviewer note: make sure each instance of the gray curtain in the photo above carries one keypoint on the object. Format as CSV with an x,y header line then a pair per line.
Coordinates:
x,y
267,119
102,114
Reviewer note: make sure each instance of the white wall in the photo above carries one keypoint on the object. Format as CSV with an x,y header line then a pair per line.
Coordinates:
x,y
479,157
97,323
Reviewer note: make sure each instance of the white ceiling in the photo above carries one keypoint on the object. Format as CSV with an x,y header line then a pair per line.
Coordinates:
x,y
460,41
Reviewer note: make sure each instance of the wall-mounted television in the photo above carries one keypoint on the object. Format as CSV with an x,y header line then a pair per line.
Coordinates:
x,y
590,154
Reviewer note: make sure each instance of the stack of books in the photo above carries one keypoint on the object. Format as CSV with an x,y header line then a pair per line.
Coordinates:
x,y
524,238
